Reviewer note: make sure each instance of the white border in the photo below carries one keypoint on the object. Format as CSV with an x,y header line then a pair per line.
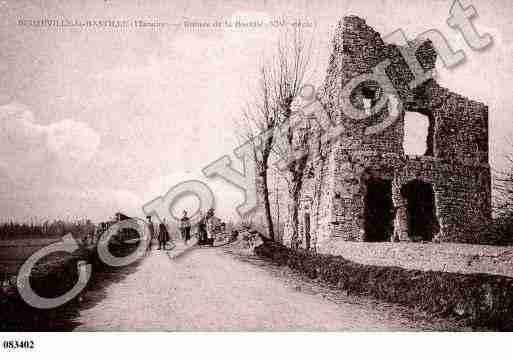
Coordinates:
x,y
260,345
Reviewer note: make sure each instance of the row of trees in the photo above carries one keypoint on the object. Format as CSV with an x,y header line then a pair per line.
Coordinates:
x,y
281,79
40,229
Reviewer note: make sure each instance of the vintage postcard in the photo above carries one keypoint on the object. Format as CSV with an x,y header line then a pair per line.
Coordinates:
x,y
262,166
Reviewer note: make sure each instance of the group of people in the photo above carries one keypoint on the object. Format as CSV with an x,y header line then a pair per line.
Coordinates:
x,y
162,234
205,230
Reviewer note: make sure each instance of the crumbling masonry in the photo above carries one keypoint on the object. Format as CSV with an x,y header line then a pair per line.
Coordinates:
x,y
361,186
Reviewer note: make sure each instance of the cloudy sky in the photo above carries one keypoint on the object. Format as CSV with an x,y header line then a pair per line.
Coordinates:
x,y
95,120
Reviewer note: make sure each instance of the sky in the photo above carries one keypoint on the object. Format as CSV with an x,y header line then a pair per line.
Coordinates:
x,y
95,120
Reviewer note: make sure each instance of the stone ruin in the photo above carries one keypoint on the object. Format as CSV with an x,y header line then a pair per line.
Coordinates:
x,y
362,186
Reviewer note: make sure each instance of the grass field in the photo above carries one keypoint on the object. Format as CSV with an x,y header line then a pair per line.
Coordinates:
x,y
14,252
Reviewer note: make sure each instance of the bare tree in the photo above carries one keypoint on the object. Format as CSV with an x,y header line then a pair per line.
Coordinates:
x,y
260,116
291,66
266,122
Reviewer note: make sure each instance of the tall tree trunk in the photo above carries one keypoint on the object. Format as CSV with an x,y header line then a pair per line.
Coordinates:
x,y
297,169
298,160
267,205
294,215
297,185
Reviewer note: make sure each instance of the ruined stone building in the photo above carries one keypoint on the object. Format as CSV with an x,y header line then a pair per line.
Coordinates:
x,y
361,186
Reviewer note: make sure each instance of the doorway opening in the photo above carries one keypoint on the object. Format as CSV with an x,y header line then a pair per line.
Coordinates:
x,y
422,221
378,212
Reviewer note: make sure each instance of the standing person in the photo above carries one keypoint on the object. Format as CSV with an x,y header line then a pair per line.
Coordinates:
x,y
185,226
202,229
210,224
151,229
163,234
98,232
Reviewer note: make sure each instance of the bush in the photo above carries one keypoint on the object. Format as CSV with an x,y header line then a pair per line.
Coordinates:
x,y
500,231
482,300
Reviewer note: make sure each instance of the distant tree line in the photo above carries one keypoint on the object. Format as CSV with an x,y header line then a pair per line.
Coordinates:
x,y
39,229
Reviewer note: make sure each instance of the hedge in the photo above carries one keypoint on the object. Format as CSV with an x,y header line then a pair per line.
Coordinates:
x,y
481,300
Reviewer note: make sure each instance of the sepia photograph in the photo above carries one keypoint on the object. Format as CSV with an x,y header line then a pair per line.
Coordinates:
x,y
241,171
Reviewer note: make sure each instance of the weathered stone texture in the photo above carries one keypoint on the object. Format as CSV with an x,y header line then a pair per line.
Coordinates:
x,y
455,165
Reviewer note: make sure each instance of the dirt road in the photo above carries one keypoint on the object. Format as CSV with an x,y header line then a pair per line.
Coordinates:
x,y
209,289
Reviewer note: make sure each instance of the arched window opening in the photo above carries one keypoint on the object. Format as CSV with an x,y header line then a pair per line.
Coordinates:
x,y
365,96
369,98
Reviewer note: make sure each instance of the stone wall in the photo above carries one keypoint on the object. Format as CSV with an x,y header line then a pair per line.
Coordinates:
x,y
335,181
